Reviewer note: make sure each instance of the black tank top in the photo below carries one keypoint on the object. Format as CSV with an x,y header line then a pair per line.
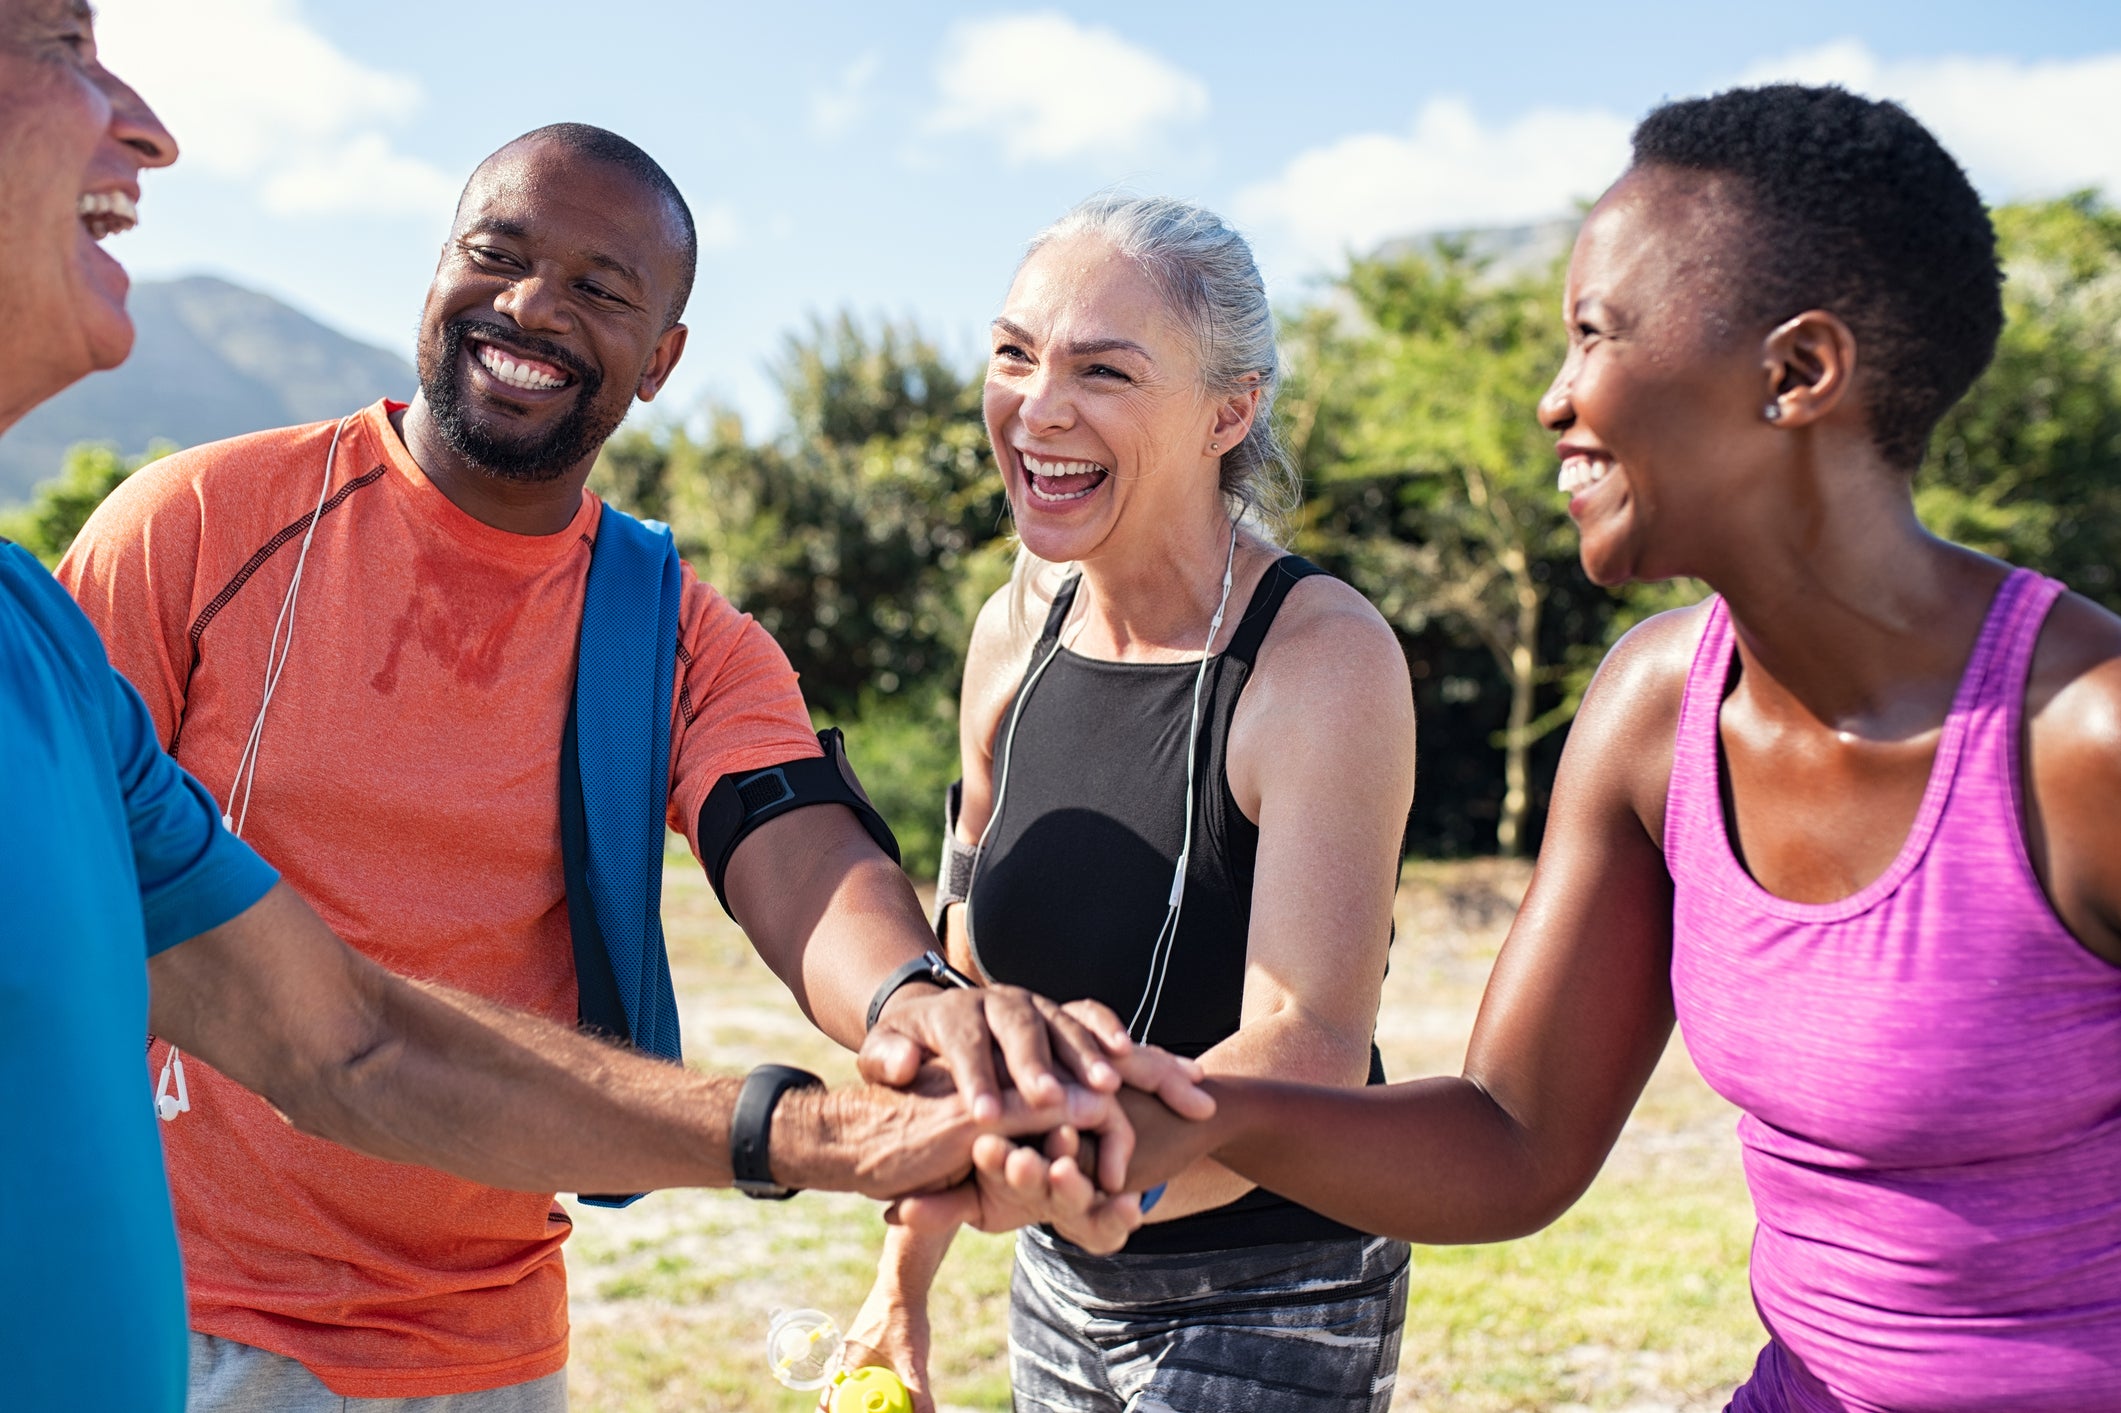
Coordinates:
x,y
1075,879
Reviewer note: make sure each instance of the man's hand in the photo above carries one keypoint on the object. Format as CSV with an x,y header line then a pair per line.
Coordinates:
x,y
888,1143
961,1030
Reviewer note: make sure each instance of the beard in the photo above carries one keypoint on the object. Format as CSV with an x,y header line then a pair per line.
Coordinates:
x,y
544,456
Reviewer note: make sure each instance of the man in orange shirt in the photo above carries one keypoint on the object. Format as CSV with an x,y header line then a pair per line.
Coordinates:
x,y
407,780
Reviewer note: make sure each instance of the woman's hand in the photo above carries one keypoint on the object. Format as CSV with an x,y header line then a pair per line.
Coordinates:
x,y
1016,1185
891,1329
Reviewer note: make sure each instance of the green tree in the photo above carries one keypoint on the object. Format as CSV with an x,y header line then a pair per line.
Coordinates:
x,y
1413,403
2028,465
863,538
1414,391
61,506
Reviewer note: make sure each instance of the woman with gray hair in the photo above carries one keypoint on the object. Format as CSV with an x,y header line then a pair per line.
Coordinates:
x,y
1188,761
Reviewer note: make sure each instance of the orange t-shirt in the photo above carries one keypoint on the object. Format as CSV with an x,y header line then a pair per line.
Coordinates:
x,y
408,786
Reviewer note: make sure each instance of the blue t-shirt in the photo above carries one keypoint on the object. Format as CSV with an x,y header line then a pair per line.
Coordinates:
x,y
109,853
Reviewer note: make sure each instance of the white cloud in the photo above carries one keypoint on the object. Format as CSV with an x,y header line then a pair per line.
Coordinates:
x,y
1049,89
2021,129
253,93
1447,171
834,110
360,174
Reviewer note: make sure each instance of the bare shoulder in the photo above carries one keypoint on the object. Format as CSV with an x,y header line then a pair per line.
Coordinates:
x,y
2074,695
2073,769
1329,642
1619,751
1329,706
1644,676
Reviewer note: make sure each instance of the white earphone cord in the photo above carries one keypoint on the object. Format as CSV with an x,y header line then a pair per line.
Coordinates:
x,y
1167,935
277,652
172,1099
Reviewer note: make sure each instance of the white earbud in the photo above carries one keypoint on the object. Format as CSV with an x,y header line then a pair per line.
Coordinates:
x,y
168,1105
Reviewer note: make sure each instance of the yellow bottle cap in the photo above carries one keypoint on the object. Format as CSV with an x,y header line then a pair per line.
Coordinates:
x,y
874,1389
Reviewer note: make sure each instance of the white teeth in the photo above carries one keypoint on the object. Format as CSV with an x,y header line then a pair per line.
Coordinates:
x,y
1039,467
1580,473
109,203
514,374
107,212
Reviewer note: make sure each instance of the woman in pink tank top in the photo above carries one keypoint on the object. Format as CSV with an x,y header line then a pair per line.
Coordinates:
x,y
1855,822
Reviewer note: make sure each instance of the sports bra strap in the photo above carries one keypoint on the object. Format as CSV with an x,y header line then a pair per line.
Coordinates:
x,y
1063,600
1274,586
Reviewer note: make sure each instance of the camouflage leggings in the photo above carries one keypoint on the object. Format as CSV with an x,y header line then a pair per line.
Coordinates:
x,y
1311,1327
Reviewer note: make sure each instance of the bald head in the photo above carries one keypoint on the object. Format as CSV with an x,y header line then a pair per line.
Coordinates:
x,y
581,142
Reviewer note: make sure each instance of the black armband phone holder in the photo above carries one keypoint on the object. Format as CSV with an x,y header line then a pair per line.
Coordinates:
x,y
741,802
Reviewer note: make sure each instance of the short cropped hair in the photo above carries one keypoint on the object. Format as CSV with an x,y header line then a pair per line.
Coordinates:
x,y
602,145
1851,206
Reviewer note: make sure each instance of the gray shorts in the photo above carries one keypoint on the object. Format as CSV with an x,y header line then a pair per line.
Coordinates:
x,y
227,1377
1311,1327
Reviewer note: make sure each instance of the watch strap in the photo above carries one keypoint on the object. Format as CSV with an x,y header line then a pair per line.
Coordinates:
x,y
930,966
751,1128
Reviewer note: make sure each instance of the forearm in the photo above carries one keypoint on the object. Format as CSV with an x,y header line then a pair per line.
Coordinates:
x,y
829,912
874,927
453,1082
1288,1044
1432,1160
510,1101
912,1255
417,1073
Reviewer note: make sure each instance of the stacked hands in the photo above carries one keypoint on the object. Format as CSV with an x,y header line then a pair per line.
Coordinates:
x,y
994,1108
998,1108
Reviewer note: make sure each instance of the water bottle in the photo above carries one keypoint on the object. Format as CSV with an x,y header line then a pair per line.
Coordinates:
x,y
800,1348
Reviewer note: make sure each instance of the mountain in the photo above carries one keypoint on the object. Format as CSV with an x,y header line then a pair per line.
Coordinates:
x,y
1506,251
212,360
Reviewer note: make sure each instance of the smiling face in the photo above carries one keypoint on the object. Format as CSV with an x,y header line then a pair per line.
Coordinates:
x,y
1094,404
549,312
1659,405
73,139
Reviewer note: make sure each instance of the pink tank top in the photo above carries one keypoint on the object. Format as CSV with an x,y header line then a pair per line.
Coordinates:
x,y
1930,1074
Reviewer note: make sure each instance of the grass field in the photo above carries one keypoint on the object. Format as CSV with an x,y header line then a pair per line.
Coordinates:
x,y
1636,1300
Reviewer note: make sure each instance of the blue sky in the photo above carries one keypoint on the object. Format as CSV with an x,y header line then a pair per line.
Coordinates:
x,y
893,159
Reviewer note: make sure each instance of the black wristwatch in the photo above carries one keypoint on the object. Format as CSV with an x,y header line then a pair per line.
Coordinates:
x,y
929,966
751,1128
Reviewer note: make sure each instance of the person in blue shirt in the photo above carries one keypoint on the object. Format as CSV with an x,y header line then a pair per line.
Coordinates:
x,y
111,856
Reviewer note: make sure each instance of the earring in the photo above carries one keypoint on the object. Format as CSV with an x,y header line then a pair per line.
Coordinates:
x,y
1215,446
1773,412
